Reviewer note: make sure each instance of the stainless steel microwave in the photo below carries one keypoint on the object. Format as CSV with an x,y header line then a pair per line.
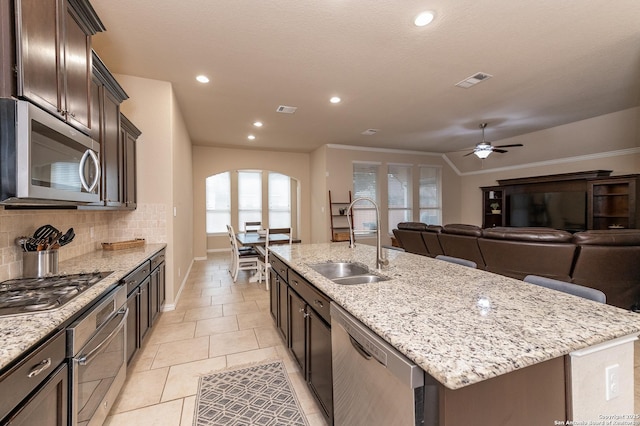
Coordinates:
x,y
43,160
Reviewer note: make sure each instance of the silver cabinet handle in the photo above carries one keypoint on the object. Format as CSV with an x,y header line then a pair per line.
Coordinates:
x,y
43,365
318,303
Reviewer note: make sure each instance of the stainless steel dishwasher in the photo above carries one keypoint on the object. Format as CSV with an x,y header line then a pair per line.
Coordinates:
x,y
373,383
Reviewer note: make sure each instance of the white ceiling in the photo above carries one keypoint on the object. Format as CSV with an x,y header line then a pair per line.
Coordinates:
x,y
553,62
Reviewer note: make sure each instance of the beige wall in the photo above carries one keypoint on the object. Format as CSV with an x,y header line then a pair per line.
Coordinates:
x,y
319,192
618,137
164,169
339,180
209,161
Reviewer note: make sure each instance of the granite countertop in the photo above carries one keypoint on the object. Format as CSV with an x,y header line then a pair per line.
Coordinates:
x,y
20,332
461,325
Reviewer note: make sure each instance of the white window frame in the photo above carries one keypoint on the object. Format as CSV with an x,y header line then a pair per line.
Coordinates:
x,y
278,210
220,210
249,214
364,212
408,195
425,207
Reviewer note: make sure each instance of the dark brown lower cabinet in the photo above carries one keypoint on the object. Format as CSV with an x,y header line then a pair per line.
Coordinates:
x,y
144,318
319,375
273,295
298,325
48,406
283,309
132,325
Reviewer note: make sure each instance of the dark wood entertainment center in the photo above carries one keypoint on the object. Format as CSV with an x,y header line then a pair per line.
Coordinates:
x,y
610,201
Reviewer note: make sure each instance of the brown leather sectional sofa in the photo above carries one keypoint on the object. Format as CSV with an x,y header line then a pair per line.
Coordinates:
x,y
606,260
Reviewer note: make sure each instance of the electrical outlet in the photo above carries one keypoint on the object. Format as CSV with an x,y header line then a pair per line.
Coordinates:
x,y
612,381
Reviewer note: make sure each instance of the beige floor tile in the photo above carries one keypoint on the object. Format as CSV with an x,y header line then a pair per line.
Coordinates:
x,y
227,298
239,308
257,294
268,335
316,419
251,357
182,380
253,319
264,305
186,303
141,390
170,317
308,404
188,411
231,343
207,312
189,292
216,325
144,358
182,351
290,363
168,413
216,291
172,332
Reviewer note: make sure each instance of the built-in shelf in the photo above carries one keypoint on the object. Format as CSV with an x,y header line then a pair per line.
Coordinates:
x,y
338,219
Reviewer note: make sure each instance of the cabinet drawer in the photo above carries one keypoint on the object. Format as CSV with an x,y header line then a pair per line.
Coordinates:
x,y
17,383
157,259
318,301
279,266
135,278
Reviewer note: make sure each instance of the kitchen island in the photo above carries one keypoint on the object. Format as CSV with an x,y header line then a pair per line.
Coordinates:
x,y
474,330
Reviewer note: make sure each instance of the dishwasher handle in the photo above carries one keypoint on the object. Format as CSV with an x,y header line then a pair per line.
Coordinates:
x,y
87,358
358,347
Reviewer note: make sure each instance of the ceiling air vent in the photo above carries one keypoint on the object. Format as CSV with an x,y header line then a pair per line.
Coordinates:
x,y
370,132
286,109
473,80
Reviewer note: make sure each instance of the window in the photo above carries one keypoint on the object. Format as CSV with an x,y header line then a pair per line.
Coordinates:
x,y
249,197
365,184
218,202
399,195
430,207
279,201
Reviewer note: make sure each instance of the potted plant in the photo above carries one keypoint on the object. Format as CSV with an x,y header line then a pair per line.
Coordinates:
x,y
495,208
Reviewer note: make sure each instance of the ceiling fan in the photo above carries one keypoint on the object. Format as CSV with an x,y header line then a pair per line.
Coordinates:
x,y
484,148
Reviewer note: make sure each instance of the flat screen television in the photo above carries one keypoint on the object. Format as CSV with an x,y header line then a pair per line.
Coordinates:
x,y
560,210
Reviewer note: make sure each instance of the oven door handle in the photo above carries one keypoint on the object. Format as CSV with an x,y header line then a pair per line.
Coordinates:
x,y
86,359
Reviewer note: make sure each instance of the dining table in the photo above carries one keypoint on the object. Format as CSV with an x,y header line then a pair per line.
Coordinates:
x,y
253,239
257,241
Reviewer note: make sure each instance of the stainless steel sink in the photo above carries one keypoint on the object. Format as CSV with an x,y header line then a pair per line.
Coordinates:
x,y
346,273
359,279
333,270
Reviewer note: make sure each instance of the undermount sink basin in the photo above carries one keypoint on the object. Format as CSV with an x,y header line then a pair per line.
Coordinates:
x,y
346,273
333,270
359,279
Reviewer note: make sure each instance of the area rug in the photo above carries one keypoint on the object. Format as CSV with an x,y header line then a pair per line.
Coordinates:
x,y
255,395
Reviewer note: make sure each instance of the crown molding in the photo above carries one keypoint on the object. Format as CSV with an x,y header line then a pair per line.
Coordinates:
x,y
387,150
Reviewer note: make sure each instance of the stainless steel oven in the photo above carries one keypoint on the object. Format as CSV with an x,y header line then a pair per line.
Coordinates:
x,y
44,160
96,346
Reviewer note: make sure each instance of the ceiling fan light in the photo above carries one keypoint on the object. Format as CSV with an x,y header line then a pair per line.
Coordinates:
x,y
483,150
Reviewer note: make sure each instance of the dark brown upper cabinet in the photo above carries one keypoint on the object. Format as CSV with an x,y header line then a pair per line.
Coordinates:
x,y
129,134
53,54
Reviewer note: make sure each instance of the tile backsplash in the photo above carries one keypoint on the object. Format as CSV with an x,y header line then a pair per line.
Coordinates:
x,y
148,221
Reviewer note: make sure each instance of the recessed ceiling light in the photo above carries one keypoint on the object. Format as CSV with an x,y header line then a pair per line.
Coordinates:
x,y
202,79
424,19
251,137
257,123
335,100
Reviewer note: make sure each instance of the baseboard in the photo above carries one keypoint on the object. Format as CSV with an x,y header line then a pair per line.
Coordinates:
x,y
172,306
216,251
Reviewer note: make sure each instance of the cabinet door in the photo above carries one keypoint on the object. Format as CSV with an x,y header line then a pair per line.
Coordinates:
x,y
130,196
111,151
319,373
145,300
163,278
283,310
155,295
273,295
49,405
298,314
77,71
39,73
132,325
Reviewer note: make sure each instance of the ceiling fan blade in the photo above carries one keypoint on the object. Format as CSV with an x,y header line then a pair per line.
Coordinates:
x,y
466,155
508,146
501,151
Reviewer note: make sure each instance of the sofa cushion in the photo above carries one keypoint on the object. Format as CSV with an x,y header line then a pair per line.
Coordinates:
x,y
462,229
412,226
411,241
543,235
610,237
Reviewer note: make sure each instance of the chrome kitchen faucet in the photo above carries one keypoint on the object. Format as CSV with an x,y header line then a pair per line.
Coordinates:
x,y
380,259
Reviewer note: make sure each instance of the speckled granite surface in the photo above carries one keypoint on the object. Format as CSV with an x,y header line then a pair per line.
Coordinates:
x,y
462,325
20,332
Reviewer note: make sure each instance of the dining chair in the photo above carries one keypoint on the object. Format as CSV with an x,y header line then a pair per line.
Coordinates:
x,y
252,226
282,231
245,260
565,287
457,260
263,263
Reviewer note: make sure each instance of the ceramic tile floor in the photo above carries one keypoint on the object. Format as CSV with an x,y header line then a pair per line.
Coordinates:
x,y
217,324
